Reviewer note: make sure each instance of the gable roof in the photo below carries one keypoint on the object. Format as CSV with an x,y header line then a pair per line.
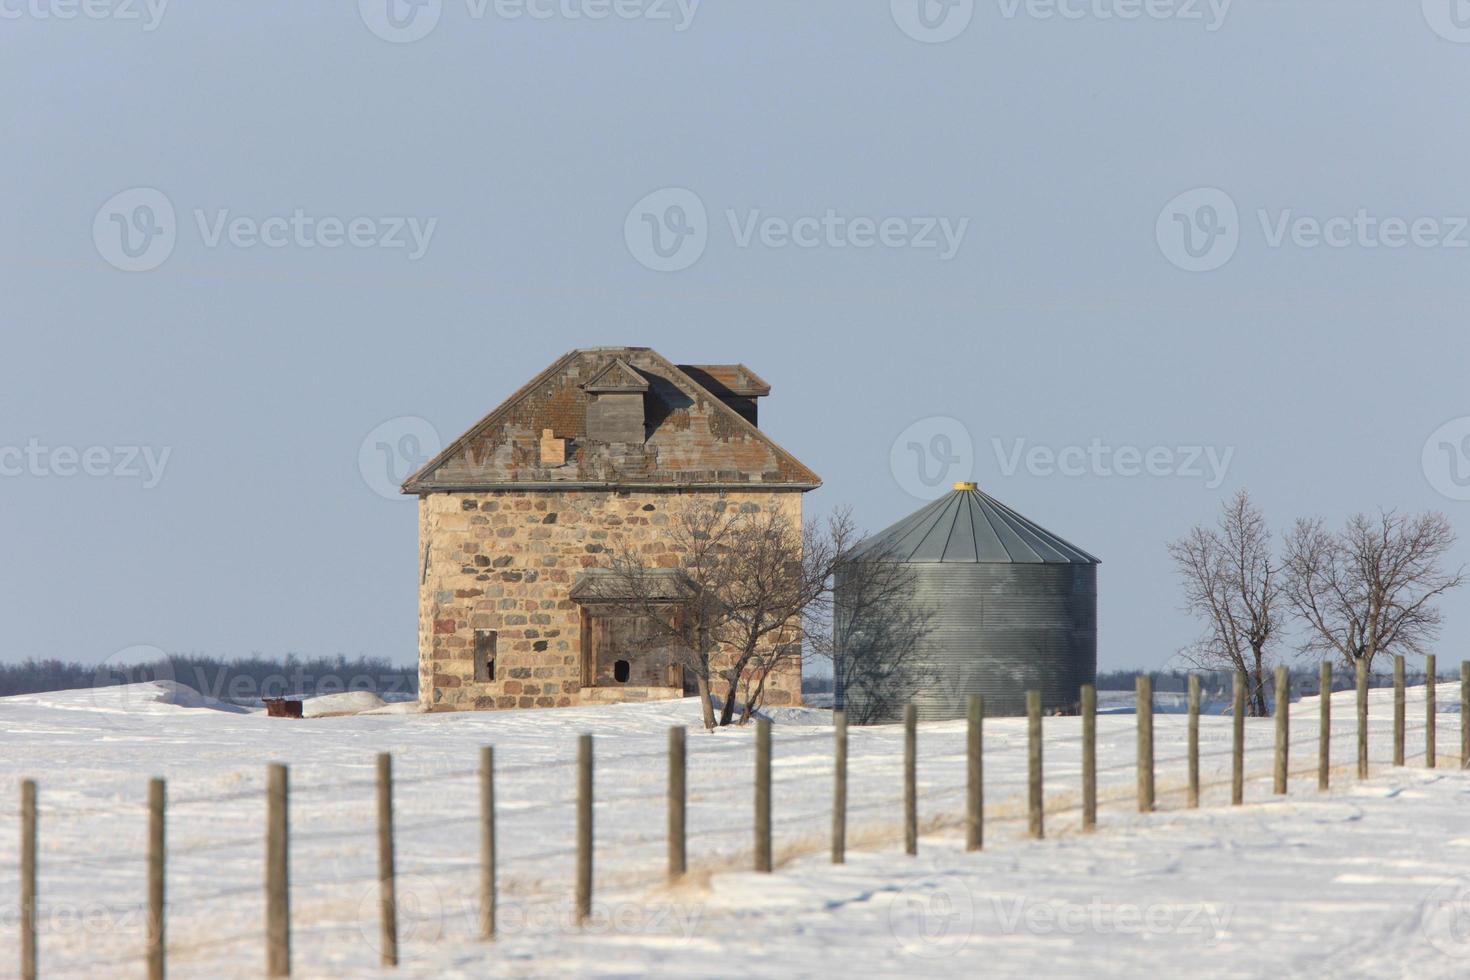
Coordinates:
x,y
694,439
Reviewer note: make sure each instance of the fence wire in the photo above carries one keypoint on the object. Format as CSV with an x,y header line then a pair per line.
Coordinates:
x,y
711,785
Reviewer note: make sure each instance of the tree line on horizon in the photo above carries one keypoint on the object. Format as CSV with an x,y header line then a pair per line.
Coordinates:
x,y
239,680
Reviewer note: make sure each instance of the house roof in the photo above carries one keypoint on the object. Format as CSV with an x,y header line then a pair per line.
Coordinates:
x,y
737,379
694,438
967,525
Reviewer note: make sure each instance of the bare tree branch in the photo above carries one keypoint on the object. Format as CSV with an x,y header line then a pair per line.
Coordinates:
x,y
1370,588
1231,583
732,613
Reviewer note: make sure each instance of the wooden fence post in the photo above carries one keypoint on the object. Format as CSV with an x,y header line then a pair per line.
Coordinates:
x,y
1362,688
387,885
1430,720
28,837
1089,756
1465,714
1193,741
975,776
1324,728
584,828
910,780
277,874
1398,710
839,787
763,795
1283,728
1034,795
678,801
155,928
1237,740
1145,691
487,843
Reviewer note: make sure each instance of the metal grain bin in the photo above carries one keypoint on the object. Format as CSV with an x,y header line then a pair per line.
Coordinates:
x,y
963,597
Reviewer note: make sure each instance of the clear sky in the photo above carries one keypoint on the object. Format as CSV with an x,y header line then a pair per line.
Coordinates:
x,y
1235,230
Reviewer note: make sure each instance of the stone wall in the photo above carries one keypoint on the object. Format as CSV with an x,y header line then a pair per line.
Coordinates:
x,y
506,561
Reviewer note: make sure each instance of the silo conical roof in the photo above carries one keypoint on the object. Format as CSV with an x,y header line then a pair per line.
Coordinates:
x,y
967,525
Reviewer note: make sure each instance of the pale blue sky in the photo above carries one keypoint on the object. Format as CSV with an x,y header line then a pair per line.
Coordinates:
x,y
1059,319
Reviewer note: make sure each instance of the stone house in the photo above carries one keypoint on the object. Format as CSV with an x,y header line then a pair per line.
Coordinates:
x,y
517,515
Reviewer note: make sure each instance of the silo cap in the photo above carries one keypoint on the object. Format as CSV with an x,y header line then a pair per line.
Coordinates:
x,y
966,486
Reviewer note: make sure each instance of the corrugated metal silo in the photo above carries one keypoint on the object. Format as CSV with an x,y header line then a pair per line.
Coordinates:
x,y
963,597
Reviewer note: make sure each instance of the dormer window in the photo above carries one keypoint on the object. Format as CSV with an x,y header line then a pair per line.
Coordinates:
x,y
615,409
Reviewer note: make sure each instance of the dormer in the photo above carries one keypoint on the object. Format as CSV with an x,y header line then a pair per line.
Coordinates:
x,y
615,408
734,384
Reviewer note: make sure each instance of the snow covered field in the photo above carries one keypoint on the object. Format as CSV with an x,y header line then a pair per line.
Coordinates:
x,y
1371,879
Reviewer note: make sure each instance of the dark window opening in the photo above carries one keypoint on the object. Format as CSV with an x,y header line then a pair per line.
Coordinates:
x,y
485,655
620,671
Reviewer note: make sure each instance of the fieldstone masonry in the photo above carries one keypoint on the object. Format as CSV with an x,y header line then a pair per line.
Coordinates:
x,y
600,451
505,561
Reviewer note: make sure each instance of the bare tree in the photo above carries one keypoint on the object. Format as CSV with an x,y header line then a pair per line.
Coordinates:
x,y
1231,582
732,612
873,633
1370,588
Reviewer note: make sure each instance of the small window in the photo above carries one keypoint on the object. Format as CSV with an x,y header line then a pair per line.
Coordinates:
x,y
485,655
620,671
